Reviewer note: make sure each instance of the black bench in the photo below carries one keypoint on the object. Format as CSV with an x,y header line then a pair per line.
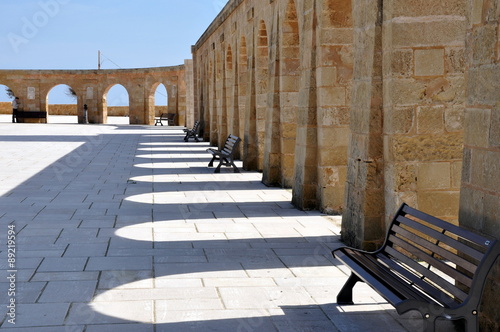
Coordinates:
x,y
226,154
169,117
193,132
21,115
425,264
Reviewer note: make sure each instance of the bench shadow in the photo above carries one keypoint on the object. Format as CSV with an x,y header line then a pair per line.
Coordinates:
x,y
178,255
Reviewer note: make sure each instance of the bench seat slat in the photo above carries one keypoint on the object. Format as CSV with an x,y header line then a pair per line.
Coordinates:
x,y
462,247
434,262
434,294
428,274
435,248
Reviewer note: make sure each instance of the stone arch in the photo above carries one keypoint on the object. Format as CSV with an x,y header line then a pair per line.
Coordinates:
x,y
119,100
63,93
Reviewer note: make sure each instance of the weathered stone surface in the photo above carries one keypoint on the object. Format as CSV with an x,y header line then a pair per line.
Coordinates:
x,y
417,8
427,147
429,62
454,119
430,120
423,33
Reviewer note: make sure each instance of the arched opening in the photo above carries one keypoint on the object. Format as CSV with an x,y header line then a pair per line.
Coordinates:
x,y
289,86
61,104
115,105
7,95
160,99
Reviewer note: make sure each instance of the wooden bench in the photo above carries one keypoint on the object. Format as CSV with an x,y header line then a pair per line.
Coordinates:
x,y
21,115
226,154
169,117
193,132
425,264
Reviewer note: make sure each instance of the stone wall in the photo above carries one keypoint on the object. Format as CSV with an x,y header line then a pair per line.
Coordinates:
x,y
407,128
480,193
71,109
5,108
92,86
360,105
281,80
299,80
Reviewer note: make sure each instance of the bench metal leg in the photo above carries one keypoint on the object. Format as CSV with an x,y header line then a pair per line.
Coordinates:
x,y
231,163
211,163
345,295
217,170
472,323
429,324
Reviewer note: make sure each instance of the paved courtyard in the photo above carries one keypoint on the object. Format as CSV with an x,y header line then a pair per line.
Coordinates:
x,y
124,228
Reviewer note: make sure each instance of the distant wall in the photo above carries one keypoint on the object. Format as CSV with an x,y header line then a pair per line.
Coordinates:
x,y
5,108
71,109
92,86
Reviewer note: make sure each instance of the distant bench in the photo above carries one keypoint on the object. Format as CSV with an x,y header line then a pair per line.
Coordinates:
x,y
226,154
193,132
169,117
425,264
21,115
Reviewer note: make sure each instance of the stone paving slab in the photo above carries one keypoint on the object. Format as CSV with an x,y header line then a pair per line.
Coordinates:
x,y
125,228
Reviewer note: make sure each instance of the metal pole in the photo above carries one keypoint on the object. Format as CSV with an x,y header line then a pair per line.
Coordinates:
x,y
98,60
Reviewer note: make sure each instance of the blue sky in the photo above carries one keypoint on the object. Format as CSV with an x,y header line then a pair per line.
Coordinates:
x,y
67,34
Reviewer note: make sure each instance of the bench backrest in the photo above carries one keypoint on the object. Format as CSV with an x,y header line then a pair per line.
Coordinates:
x,y
196,126
446,262
231,144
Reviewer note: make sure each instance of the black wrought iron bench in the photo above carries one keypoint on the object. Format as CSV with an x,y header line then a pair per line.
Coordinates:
x,y
193,132
425,264
21,115
226,154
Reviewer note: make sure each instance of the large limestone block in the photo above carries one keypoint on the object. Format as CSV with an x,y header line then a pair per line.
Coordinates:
x,y
429,62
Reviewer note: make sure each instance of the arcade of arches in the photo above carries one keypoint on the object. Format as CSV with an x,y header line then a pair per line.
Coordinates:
x,y
91,88
360,105
356,105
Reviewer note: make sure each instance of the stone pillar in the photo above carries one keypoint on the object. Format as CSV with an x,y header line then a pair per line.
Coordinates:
x,y
191,113
363,218
234,99
214,95
272,152
480,191
222,100
290,69
334,95
250,147
423,105
305,190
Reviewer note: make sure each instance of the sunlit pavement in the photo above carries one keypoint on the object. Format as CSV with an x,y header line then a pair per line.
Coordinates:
x,y
125,228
